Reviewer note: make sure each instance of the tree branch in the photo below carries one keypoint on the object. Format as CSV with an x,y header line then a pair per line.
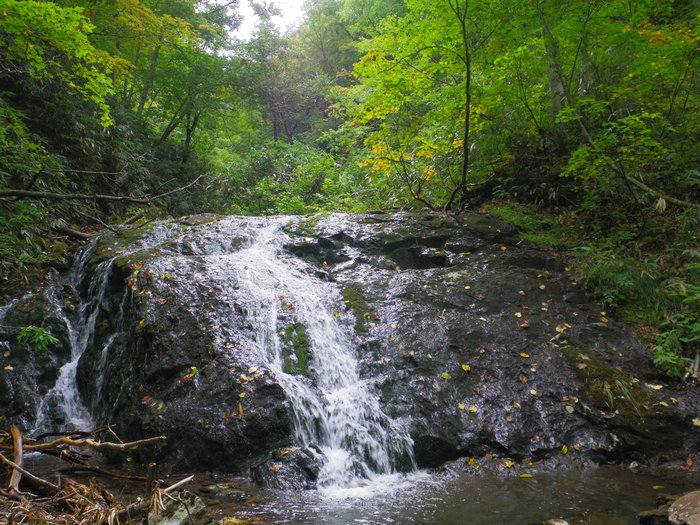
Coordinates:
x,y
144,200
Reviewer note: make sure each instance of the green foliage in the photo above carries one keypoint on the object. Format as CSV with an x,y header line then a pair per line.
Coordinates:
x,y
534,225
52,42
289,179
36,337
679,338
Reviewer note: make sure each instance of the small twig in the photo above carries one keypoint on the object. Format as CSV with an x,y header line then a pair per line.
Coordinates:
x,y
97,445
90,468
29,475
178,484
16,476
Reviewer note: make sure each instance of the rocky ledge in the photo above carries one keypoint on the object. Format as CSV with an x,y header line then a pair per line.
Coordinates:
x,y
479,344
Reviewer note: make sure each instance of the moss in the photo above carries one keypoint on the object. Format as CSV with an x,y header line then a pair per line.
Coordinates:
x,y
305,227
354,297
535,227
296,349
609,389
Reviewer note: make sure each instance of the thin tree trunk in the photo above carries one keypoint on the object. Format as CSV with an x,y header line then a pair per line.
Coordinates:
x,y
148,83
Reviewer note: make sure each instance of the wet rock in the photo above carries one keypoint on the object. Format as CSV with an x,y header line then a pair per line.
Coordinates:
x,y
185,508
685,510
289,469
475,343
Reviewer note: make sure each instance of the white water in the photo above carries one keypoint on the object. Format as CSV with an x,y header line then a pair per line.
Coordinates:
x,y
337,410
62,408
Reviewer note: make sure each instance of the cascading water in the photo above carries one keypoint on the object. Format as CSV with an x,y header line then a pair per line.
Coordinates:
x,y
334,408
62,408
336,413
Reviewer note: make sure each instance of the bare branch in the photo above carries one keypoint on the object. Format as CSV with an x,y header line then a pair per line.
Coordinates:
x,y
144,200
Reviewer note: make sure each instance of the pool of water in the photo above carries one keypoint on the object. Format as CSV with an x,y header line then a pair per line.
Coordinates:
x,y
592,496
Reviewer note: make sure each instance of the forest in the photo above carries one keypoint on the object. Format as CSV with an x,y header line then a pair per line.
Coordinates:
x,y
575,120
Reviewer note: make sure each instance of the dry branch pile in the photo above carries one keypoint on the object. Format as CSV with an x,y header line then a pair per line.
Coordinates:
x,y
32,499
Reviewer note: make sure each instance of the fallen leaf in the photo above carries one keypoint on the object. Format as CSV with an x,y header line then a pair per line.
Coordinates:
x,y
241,395
466,368
473,409
275,468
525,475
655,387
569,409
696,422
445,375
658,487
8,367
526,324
581,366
461,406
521,292
522,378
471,462
533,392
542,287
286,451
518,314
564,449
524,355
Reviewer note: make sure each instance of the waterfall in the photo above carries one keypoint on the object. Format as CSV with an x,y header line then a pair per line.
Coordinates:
x,y
296,329
335,409
62,408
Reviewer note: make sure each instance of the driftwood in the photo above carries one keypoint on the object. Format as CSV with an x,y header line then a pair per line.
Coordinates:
x,y
61,500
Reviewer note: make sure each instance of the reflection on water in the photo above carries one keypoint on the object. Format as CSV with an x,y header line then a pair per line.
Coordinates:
x,y
599,496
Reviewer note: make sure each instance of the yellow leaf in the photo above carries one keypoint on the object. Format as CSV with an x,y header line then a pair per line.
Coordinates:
x,y
696,422
658,487
525,475
445,375
466,368
518,314
473,409
8,367
533,392
461,406
241,395
471,462
240,410
286,451
524,355
564,449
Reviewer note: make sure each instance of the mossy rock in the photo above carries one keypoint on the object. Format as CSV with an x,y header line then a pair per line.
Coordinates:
x,y
296,349
633,406
353,294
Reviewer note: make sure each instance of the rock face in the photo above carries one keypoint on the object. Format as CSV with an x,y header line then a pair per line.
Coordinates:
x,y
472,341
